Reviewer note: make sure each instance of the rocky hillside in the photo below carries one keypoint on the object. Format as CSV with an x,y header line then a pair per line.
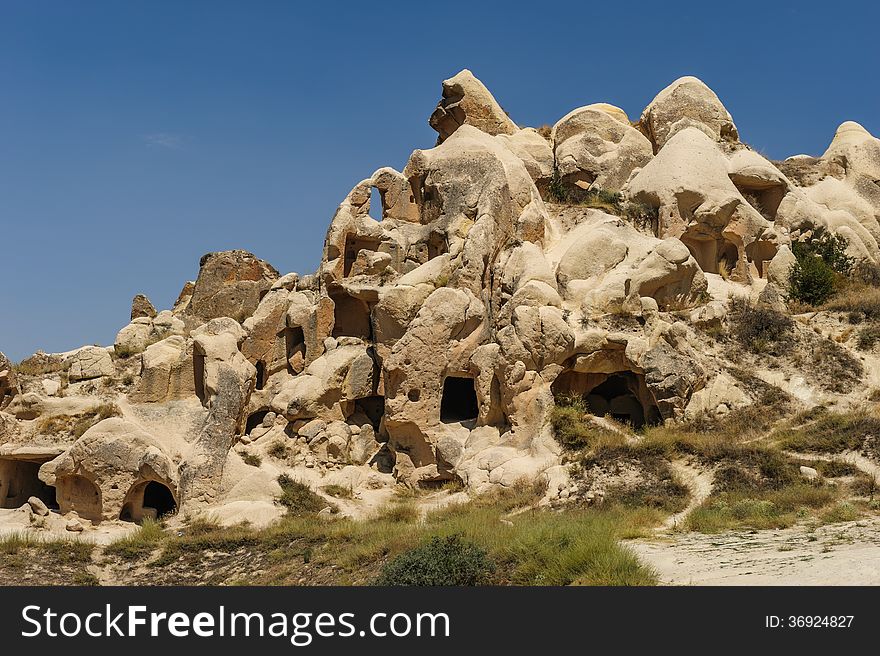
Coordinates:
x,y
652,272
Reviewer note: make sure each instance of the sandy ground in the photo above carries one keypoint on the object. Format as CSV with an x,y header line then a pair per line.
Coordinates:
x,y
836,554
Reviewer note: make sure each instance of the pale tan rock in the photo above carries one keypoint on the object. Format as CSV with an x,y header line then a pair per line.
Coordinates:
x,y
466,101
89,362
687,102
595,149
230,284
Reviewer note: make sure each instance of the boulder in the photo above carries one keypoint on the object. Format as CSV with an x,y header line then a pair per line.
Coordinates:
x,y
230,284
466,101
687,102
142,308
89,362
595,149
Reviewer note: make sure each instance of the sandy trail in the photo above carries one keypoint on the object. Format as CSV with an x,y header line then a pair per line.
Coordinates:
x,y
836,554
699,483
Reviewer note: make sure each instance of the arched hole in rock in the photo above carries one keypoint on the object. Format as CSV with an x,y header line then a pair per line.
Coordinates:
x,y
351,317
437,245
199,375
377,206
79,494
373,407
261,374
714,255
294,343
353,246
147,500
764,197
254,419
759,253
459,400
623,395
19,482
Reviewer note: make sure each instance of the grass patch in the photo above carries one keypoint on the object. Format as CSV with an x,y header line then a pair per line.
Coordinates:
x,y
534,547
842,511
740,509
574,429
76,426
299,499
833,432
139,544
60,552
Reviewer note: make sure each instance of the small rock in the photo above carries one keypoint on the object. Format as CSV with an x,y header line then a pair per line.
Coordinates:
x,y
74,525
809,473
38,506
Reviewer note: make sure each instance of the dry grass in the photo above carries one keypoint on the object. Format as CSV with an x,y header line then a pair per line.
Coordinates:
x,y
833,432
75,426
574,428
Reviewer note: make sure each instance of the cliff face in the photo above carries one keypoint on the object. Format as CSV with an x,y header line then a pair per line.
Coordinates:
x,y
510,268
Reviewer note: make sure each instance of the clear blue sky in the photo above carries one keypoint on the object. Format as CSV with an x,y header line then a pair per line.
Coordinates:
x,y
136,136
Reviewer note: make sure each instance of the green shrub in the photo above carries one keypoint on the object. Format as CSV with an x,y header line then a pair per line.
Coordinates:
x,y
446,561
278,449
298,497
868,337
573,428
830,248
810,280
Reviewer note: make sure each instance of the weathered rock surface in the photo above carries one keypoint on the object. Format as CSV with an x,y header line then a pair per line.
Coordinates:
x,y
434,340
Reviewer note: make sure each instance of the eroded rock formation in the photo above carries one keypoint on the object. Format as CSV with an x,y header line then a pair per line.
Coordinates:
x,y
432,342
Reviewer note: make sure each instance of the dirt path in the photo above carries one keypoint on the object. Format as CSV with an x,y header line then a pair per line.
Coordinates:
x,y
699,484
836,554
855,458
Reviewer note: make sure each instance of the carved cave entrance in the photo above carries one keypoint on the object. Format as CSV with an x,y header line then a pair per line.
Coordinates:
x,y
147,500
19,482
623,395
714,255
458,402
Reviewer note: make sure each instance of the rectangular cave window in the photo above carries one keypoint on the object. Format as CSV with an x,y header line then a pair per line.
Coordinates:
x,y
351,317
294,349
373,407
353,246
19,481
459,400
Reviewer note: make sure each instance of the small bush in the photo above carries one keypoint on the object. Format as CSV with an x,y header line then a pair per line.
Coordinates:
x,y
835,468
830,248
868,337
810,280
339,491
298,498
573,428
251,459
277,449
758,328
442,561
